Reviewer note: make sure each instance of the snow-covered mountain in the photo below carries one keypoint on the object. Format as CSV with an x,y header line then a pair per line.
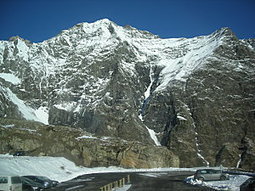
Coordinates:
x,y
195,95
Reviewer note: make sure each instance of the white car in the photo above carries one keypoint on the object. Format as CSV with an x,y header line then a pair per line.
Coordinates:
x,y
210,174
10,183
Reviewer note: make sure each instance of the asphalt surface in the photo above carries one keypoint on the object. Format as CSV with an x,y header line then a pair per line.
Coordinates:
x,y
139,181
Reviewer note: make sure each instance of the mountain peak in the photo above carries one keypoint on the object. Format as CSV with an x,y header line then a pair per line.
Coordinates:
x,y
225,32
17,38
104,21
127,83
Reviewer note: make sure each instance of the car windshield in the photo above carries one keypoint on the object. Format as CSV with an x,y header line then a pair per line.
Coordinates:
x,y
3,180
39,179
209,171
43,178
30,181
16,180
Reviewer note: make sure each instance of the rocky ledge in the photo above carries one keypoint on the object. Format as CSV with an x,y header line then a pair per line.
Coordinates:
x,y
81,147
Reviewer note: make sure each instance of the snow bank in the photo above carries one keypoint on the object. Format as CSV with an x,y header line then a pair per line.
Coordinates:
x,y
59,168
56,168
233,184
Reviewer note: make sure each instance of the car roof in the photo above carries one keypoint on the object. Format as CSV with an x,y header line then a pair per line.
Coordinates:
x,y
32,176
209,169
9,175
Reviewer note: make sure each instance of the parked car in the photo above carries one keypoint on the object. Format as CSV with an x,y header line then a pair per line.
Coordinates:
x,y
210,174
248,185
10,183
37,182
52,182
19,153
30,185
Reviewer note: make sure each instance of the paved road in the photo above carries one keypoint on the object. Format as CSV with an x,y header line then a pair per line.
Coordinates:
x,y
140,181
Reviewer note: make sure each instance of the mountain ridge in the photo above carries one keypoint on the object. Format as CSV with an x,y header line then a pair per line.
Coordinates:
x,y
122,82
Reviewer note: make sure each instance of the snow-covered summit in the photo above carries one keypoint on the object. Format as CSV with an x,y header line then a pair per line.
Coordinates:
x,y
84,55
123,82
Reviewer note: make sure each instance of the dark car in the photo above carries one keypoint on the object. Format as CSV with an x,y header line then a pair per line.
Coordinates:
x,y
37,182
52,182
19,153
248,185
210,174
30,185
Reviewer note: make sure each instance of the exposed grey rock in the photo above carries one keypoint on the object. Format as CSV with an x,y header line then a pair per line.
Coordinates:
x,y
80,146
197,94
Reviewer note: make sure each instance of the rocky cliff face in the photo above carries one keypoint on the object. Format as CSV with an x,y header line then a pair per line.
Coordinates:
x,y
194,96
81,147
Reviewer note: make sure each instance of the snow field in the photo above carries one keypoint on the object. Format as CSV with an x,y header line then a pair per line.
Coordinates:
x,y
41,114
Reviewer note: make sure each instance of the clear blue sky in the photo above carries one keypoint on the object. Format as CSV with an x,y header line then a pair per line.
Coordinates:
x,y
38,20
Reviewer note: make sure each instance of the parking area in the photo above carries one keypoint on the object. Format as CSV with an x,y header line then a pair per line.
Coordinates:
x,y
139,181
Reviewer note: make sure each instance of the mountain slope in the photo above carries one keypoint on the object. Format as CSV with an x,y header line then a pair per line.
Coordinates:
x,y
195,96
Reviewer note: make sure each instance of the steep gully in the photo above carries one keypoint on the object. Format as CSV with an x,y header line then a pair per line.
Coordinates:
x,y
147,96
